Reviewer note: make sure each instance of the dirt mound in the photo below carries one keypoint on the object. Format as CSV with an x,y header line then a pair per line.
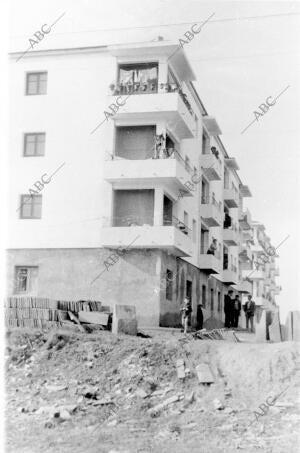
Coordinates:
x,y
86,384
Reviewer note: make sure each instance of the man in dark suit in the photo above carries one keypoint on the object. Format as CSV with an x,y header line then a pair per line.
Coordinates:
x,y
199,317
228,308
249,309
236,311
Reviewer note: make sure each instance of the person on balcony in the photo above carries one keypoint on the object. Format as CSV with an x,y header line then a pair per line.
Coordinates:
x,y
213,247
214,151
159,146
236,311
228,308
227,220
186,311
249,309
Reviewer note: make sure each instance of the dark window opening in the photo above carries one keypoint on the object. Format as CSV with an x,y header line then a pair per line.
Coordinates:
x,y
227,218
212,299
203,294
219,301
225,258
167,211
189,289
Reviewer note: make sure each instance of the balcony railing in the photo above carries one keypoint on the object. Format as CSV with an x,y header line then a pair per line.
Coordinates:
x,y
179,225
162,153
233,227
207,199
217,253
127,221
133,88
212,151
136,220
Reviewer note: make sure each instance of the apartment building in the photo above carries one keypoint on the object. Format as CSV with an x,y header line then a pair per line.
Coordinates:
x,y
143,176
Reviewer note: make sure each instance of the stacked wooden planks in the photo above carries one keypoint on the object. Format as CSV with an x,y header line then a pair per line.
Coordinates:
x,y
39,312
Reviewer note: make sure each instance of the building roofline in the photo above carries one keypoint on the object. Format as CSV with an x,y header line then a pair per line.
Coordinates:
x,y
56,50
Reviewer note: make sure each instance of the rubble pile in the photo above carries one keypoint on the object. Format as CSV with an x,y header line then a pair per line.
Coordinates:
x,y
66,381
216,334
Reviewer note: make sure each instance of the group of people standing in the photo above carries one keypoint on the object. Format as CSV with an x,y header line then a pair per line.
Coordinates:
x,y
232,310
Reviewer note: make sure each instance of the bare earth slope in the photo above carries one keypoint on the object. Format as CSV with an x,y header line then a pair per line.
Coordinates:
x,y
93,393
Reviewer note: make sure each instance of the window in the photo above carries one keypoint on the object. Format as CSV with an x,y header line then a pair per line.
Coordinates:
x,y
36,83
205,143
194,230
25,279
170,146
203,240
219,301
204,296
204,192
167,211
135,142
189,290
133,207
212,299
34,144
225,258
169,285
31,207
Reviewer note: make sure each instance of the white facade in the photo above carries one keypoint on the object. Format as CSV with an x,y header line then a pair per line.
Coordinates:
x,y
84,205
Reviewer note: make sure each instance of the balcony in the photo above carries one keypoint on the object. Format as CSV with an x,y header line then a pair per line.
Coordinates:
x,y
231,163
174,238
210,264
245,221
230,276
231,236
211,212
212,167
244,287
171,171
245,253
231,197
245,191
212,126
253,274
144,103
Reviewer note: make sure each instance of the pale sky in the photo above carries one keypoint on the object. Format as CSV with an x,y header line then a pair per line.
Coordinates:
x,y
247,52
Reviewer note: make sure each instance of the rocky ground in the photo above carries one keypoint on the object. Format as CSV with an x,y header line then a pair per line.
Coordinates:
x,y
94,393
